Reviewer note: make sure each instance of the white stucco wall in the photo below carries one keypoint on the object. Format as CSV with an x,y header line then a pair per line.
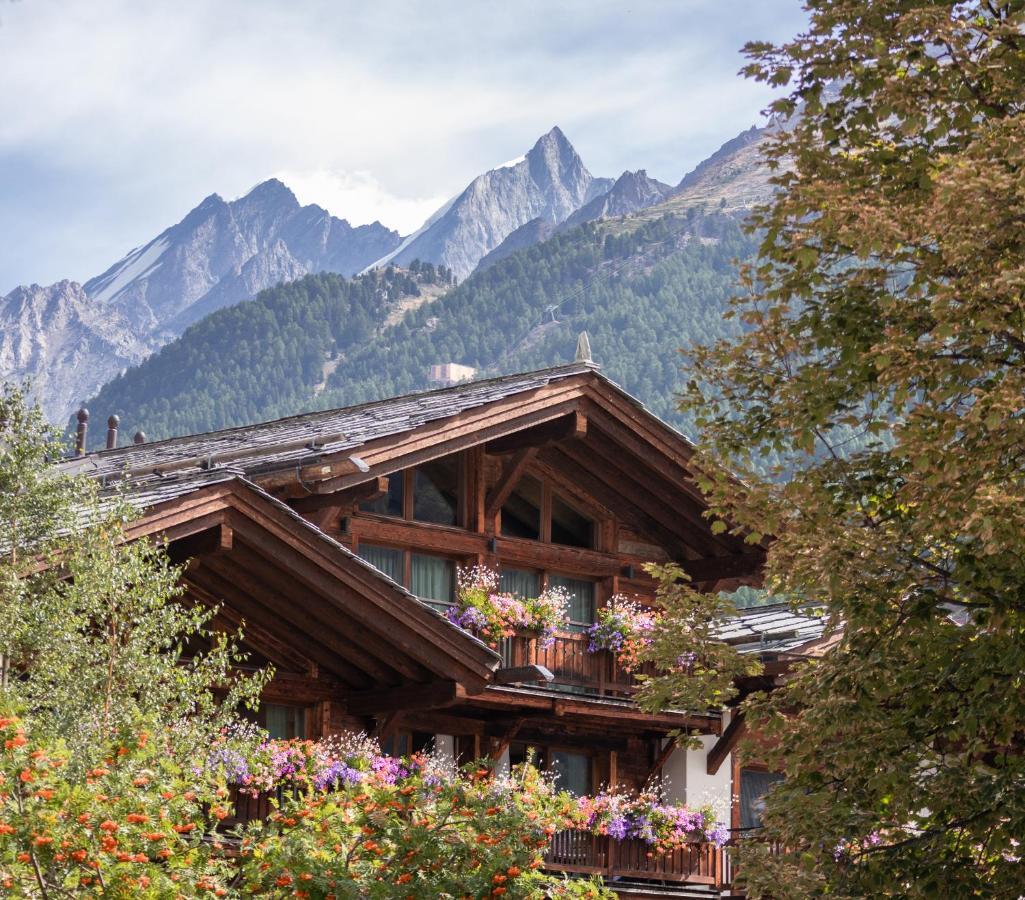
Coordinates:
x,y
686,779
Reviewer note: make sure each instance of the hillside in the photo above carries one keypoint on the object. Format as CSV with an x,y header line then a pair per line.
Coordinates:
x,y
261,358
640,296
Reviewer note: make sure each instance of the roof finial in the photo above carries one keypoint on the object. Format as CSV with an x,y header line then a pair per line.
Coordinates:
x,y
583,349
140,437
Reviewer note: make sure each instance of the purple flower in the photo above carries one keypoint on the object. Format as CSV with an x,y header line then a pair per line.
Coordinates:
x,y
718,834
618,828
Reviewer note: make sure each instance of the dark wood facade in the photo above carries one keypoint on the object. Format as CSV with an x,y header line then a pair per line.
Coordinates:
x,y
555,477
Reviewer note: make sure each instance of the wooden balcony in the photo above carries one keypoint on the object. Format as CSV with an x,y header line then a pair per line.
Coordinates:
x,y
583,853
574,667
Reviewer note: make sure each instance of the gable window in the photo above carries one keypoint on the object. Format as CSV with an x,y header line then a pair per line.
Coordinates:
x,y
569,526
521,513
581,599
389,504
436,492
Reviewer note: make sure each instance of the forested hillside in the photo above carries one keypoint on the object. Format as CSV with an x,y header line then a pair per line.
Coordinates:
x,y
263,357
325,341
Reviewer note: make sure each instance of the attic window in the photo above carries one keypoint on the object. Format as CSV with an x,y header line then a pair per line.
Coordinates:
x,y
569,526
389,504
521,513
436,492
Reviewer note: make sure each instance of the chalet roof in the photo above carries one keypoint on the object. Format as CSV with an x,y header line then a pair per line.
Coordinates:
x,y
300,438
775,629
189,506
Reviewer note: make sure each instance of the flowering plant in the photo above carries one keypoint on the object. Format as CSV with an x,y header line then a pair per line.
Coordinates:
x,y
482,610
646,816
623,627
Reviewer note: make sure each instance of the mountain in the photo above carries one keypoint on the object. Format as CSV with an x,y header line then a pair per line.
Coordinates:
x,y
550,182
533,232
631,192
264,357
324,341
60,339
225,251
71,339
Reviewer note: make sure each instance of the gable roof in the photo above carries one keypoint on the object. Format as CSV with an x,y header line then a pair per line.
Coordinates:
x,y
281,571
618,452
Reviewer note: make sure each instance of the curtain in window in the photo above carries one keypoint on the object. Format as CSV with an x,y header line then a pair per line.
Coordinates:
x,y
520,582
572,772
753,788
581,598
284,722
433,578
387,559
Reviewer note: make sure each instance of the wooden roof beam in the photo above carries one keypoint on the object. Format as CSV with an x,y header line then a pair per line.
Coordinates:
x,y
435,695
512,472
726,744
567,428
367,651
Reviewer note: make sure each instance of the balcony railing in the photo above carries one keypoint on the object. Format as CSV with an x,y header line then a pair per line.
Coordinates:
x,y
574,667
575,852
584,853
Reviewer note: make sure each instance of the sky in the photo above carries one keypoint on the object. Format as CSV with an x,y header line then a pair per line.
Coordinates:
x,y
119,116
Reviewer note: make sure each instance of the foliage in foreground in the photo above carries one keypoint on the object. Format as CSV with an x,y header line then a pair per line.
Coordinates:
x,y
888,302
141,825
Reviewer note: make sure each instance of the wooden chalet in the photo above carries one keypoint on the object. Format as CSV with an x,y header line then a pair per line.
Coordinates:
x,y
335,537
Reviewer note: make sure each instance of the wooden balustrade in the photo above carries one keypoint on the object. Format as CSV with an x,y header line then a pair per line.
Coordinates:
x,y
584,853
569,660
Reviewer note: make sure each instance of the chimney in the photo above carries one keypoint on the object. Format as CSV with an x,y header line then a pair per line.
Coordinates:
x,y
112,424
140,438
83,424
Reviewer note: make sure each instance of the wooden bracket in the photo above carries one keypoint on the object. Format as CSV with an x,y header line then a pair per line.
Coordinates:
x,y
512,472
564,428
506,740
726,744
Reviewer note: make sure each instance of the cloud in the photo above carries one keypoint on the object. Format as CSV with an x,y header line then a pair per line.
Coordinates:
x,y
360,198
117,117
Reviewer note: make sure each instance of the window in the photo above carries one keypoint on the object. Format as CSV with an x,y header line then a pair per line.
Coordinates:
x,y
521,513
581,599
572,772
281,721
436,492
569,526
387,559
754,785
433,578
390,504
520,582
430,577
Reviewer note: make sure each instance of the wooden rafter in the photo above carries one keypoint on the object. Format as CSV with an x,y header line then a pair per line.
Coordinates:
x,y
726,744
512,472
568,428
435,695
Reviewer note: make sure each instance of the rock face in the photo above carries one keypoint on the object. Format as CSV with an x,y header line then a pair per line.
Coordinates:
x,y
632,191
549,182
64,342
71,339
534,232
735,177
223,252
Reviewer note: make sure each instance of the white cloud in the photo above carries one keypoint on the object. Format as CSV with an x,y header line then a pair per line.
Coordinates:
x,y
360,198
116,117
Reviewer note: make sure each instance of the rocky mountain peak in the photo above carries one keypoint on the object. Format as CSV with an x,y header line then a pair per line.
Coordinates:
x,y
550,181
